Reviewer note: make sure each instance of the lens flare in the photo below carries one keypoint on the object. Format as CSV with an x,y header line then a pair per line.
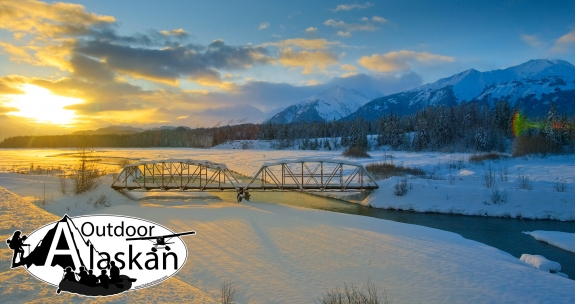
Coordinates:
x,y
521,124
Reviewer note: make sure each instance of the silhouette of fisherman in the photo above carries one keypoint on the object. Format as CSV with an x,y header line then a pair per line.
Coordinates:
x,y
114,273
104,280
16,244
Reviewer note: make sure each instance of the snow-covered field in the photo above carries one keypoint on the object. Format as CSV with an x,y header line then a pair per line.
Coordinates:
x,y
280,254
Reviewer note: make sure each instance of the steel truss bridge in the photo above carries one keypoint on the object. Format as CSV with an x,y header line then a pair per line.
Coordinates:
x,y
194,175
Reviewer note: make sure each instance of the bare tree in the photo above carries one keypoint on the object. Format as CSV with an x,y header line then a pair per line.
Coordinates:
x,y
86,174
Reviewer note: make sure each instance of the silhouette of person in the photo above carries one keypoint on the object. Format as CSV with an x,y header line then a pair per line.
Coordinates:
x,y
69,275
91,279
114,273
16,244
104,280
83,275
240,195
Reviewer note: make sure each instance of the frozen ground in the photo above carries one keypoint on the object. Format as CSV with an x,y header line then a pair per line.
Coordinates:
x,y
563,240
280,254
528,187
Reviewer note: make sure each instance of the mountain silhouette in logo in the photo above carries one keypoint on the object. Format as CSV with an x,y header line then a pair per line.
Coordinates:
x,y
68,239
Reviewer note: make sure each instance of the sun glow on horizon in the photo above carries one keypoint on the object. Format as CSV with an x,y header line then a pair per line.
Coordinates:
x,y
41,105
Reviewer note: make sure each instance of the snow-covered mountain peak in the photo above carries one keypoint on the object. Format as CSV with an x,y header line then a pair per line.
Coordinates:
x,y
334,103
339,94
535,69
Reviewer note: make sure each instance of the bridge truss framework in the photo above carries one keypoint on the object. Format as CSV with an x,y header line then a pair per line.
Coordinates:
x,y
193,175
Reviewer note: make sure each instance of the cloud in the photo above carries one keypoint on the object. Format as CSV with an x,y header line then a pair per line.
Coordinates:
x,y
10,85
563,43
50,29
268,96
264,26
351,70
399,61
349,7
306,44
378,19
348,67
181,33
312,82
7,109
90,69
350,27
343,34
310,61
373,86
532,40
169,64
311,30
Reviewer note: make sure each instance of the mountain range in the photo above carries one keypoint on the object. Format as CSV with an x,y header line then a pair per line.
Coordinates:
x,y
530,86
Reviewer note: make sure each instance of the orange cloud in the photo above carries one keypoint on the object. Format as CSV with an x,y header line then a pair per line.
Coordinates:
x,y
306,44
563,43
310,61
49,29
178,33
399,61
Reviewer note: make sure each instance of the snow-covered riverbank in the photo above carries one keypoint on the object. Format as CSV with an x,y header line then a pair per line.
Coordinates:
x,y
280,254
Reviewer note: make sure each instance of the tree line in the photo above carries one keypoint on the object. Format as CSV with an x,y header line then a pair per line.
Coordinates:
x,y
459,128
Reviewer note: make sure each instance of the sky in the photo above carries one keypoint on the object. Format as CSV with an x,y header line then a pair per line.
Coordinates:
x,y
81,65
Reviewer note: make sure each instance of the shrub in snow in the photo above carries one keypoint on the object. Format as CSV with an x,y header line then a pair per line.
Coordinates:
x,y
541,263
560,186
525,182
353,295
489,178
478,158
401,187
383,170
497,197
527,144
229,292
356,152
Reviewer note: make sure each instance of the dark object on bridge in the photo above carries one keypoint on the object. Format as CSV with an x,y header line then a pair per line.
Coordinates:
x,y
243,194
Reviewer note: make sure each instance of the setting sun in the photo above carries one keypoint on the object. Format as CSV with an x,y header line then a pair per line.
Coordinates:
x,y
42,105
